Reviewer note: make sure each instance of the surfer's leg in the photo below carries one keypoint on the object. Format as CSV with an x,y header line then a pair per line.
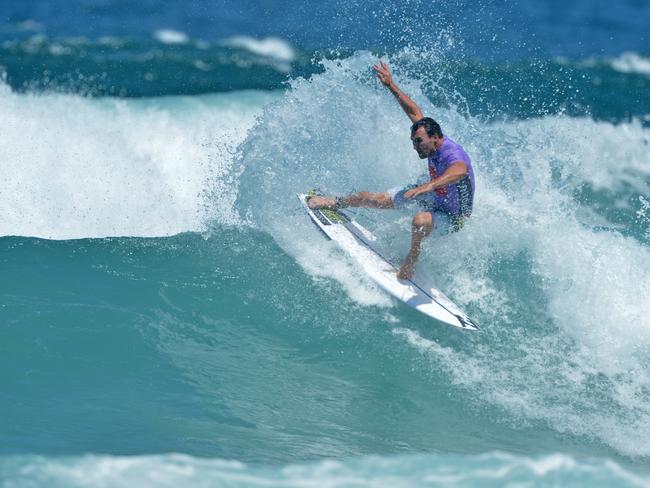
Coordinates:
x,y
321,202
421,227
361,199
368,199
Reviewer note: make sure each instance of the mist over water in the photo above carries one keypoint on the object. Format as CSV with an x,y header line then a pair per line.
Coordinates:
x,y
166,300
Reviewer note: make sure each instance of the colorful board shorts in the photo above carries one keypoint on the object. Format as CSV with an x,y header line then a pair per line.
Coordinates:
x,y
444,223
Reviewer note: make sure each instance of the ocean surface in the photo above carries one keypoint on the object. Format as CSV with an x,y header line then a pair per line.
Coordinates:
x,y
170,317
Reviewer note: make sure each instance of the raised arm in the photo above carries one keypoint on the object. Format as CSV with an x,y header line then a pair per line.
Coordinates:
x,y
409,106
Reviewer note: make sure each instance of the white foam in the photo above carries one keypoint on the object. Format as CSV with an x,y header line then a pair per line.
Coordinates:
x,y
170,36
587,374
490,469
630,62
56,49
73,167
273,47
626,62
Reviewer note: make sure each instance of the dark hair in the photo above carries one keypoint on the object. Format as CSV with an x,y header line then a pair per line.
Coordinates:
x,y
430,126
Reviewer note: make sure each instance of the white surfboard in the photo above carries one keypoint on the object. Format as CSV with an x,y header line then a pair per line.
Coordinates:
x,y
358,242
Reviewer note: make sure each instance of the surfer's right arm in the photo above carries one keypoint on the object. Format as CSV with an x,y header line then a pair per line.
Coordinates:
x,y
409,106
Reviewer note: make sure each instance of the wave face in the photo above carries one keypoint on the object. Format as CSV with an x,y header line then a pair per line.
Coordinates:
x,y
259,339
163,292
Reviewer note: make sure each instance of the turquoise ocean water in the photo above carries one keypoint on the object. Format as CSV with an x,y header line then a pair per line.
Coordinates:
x,y
169,316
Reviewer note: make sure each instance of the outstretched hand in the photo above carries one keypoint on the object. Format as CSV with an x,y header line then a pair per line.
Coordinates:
x,y
383,73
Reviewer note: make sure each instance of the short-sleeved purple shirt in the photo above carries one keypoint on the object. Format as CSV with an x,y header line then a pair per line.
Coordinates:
x,y
455,199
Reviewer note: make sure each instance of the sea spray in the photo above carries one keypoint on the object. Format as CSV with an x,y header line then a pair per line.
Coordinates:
x,y
78,167
560,296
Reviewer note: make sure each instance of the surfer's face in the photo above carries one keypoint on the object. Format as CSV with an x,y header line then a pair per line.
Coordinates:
x,y
424,144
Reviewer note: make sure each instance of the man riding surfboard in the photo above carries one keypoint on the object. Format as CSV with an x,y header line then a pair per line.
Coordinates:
x,y
445,200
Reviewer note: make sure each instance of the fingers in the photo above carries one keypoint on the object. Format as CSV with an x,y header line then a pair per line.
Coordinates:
x,y
382,68
383,73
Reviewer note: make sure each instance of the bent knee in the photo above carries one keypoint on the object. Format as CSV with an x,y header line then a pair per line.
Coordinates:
x,y
423,221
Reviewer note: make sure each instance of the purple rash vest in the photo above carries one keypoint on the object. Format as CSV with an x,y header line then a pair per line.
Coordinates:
x,y
455,199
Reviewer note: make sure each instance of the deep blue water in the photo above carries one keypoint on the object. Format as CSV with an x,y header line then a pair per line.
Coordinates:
x,y
169,316
519,29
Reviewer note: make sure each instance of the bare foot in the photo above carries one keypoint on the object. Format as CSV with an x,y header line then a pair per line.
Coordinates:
x,y
321,202
406,270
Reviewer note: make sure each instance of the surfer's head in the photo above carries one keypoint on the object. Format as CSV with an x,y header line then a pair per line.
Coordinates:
x,y
426,136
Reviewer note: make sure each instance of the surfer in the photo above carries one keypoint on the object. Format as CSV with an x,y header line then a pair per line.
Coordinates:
x,y
447,195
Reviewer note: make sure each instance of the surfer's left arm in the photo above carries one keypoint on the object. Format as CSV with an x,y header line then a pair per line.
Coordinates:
x,y
454,173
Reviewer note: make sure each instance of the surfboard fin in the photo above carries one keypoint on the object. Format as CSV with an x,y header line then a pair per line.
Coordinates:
x,y
467,323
